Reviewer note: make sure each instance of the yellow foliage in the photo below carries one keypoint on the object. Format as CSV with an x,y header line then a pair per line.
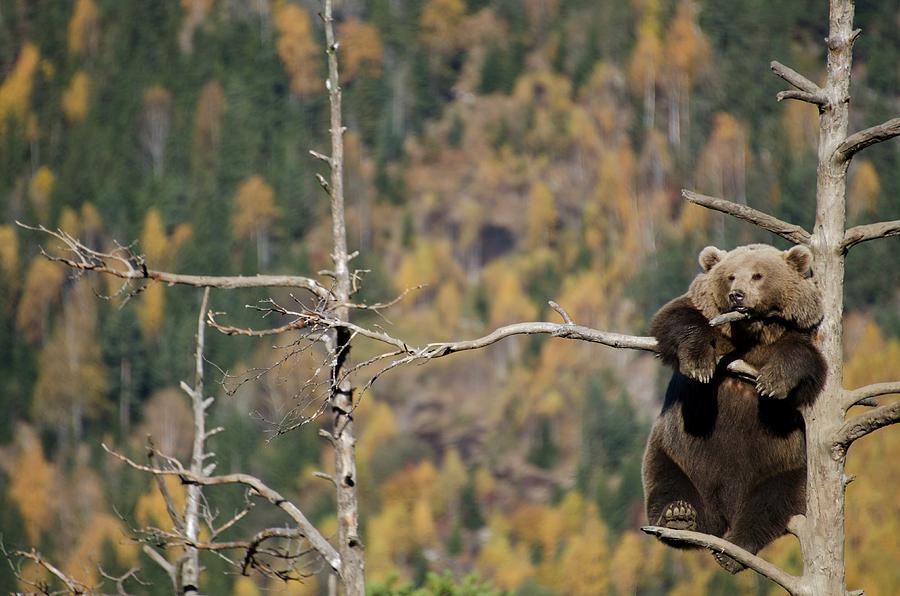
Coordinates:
x,y
42,285
83,27
297,49
15,92
389,535
254,208
625,564
91,221
154,242
507,565
485,484
9,252
411,483
864,188
428,263
452,480
362,49
644,67
439,25
542,216
583,565
687,49
152,310
76,97
83,560
308,586
448,304
31,484
800,122
424,529
245,586
71,381
40,189
380,426
509,302
150,509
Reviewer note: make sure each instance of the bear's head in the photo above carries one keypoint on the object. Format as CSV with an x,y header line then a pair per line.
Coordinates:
x,y
760,280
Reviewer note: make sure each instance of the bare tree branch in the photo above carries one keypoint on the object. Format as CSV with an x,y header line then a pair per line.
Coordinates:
x,y
854,397
161,561
863,424
787,581
122,263
864,138
317,541
794,78
814,98
792,232
866,232
73,585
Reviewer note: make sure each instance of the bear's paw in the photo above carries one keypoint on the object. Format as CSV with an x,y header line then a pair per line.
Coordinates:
x,y
772,382
728,563
679,515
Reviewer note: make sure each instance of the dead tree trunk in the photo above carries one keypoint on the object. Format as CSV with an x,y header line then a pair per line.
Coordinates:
x,y
350,545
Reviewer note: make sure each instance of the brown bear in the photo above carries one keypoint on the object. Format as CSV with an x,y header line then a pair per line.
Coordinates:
x,y
726,456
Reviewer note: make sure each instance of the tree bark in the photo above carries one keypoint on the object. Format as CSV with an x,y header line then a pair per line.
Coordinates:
x,y
350,547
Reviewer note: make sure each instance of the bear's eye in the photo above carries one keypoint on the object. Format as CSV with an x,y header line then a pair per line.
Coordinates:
x,y
756,276
731,277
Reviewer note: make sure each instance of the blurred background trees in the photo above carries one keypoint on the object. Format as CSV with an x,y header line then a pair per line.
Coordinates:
x,y
502,152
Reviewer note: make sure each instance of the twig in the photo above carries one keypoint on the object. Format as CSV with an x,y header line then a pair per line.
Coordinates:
x,y
73,585
787,581
729,317
317,541
131,267
813,98
872,231
789,231
864,138
562,312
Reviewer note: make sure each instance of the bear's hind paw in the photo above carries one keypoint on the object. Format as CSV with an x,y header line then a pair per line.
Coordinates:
x,y
679,515
728,563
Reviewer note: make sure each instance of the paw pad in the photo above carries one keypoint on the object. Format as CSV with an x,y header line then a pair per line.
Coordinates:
x,y
679,515
727,563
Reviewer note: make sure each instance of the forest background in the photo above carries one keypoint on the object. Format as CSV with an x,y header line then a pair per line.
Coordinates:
x,y
502,152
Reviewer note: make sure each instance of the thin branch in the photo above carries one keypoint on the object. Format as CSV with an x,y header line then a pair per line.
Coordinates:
x,y
161,561
73,585
854,397
316,539
171,509
794,78
789,231
125,265
229,330
814,98
863,424
864,138
866,232
787,581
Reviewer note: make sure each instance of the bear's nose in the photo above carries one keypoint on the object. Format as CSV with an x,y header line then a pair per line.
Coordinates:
x,y
736,297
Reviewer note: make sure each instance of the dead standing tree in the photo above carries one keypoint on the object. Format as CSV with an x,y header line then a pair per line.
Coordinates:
x,y
346,560
829,431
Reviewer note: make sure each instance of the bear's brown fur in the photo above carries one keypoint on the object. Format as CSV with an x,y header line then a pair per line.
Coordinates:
x,y
727,457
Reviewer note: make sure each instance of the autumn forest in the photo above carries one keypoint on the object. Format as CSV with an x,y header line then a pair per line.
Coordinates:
x,y
499,154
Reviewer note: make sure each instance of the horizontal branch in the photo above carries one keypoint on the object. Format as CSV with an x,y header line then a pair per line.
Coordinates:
x,y
863,424
316,540
854,397
867,232
870,136
72,585
817,99
124,264
784,579
567,331
789,231
794,78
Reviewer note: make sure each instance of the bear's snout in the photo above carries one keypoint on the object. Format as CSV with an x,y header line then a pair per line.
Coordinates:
x,y
736,299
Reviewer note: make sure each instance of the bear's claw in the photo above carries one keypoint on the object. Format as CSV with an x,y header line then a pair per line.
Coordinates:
x,y
728,563
679,515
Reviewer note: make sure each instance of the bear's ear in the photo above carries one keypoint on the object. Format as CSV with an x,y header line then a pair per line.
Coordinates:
x,y
799,258
709,256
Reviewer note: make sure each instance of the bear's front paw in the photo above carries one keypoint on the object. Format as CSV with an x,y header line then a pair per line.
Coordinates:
x,y
697,361
730,565
679,515
771,381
